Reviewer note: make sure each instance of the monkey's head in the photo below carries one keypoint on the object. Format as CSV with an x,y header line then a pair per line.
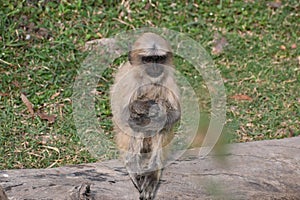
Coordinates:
x,y
153,54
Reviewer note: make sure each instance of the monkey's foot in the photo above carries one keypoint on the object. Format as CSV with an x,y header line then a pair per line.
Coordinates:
x,y
146,183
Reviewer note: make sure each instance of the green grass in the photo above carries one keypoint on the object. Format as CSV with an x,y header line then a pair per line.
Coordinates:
x,y
42,47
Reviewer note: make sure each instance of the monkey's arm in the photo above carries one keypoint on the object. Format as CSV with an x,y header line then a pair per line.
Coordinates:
x,y
173,116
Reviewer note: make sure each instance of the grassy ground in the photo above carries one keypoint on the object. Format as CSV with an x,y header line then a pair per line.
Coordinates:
x,y
41,50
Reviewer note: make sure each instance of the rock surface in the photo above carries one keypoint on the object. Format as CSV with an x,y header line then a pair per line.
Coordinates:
x,y
255,170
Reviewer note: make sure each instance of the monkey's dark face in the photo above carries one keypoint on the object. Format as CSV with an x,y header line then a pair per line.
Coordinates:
x,y
154,65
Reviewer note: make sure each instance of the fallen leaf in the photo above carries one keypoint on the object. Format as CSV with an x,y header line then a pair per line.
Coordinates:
x,y
274,4
241,97
49,118
28,104
55,95
4,94
147,6
16,84
293,46
282,47
219,44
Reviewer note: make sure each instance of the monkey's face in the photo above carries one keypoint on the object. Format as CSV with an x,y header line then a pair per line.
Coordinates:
x,y
154,66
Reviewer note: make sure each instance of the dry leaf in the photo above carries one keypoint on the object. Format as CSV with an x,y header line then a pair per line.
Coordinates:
x,y
55,95
28,104
274,4
241,97
49,118
282,47
4,94
16,84
294,46
219,44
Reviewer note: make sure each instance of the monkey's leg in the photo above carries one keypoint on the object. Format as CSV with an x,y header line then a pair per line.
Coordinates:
x,y
148,179
143,161
156,162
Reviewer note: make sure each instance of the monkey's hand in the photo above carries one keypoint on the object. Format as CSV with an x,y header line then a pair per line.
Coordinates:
x,y
146,115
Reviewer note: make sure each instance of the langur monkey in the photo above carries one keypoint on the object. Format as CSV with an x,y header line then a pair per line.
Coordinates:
x,y
145,106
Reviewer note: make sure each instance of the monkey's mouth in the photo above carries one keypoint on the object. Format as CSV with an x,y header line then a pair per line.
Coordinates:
x,y
154,70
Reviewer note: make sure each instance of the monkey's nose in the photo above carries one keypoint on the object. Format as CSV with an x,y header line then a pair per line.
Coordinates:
x,y
154,70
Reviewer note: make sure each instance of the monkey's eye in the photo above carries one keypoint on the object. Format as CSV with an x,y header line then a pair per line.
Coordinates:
x,y
154,59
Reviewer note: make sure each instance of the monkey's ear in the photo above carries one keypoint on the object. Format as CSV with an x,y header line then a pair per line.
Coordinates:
x,y
130,57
